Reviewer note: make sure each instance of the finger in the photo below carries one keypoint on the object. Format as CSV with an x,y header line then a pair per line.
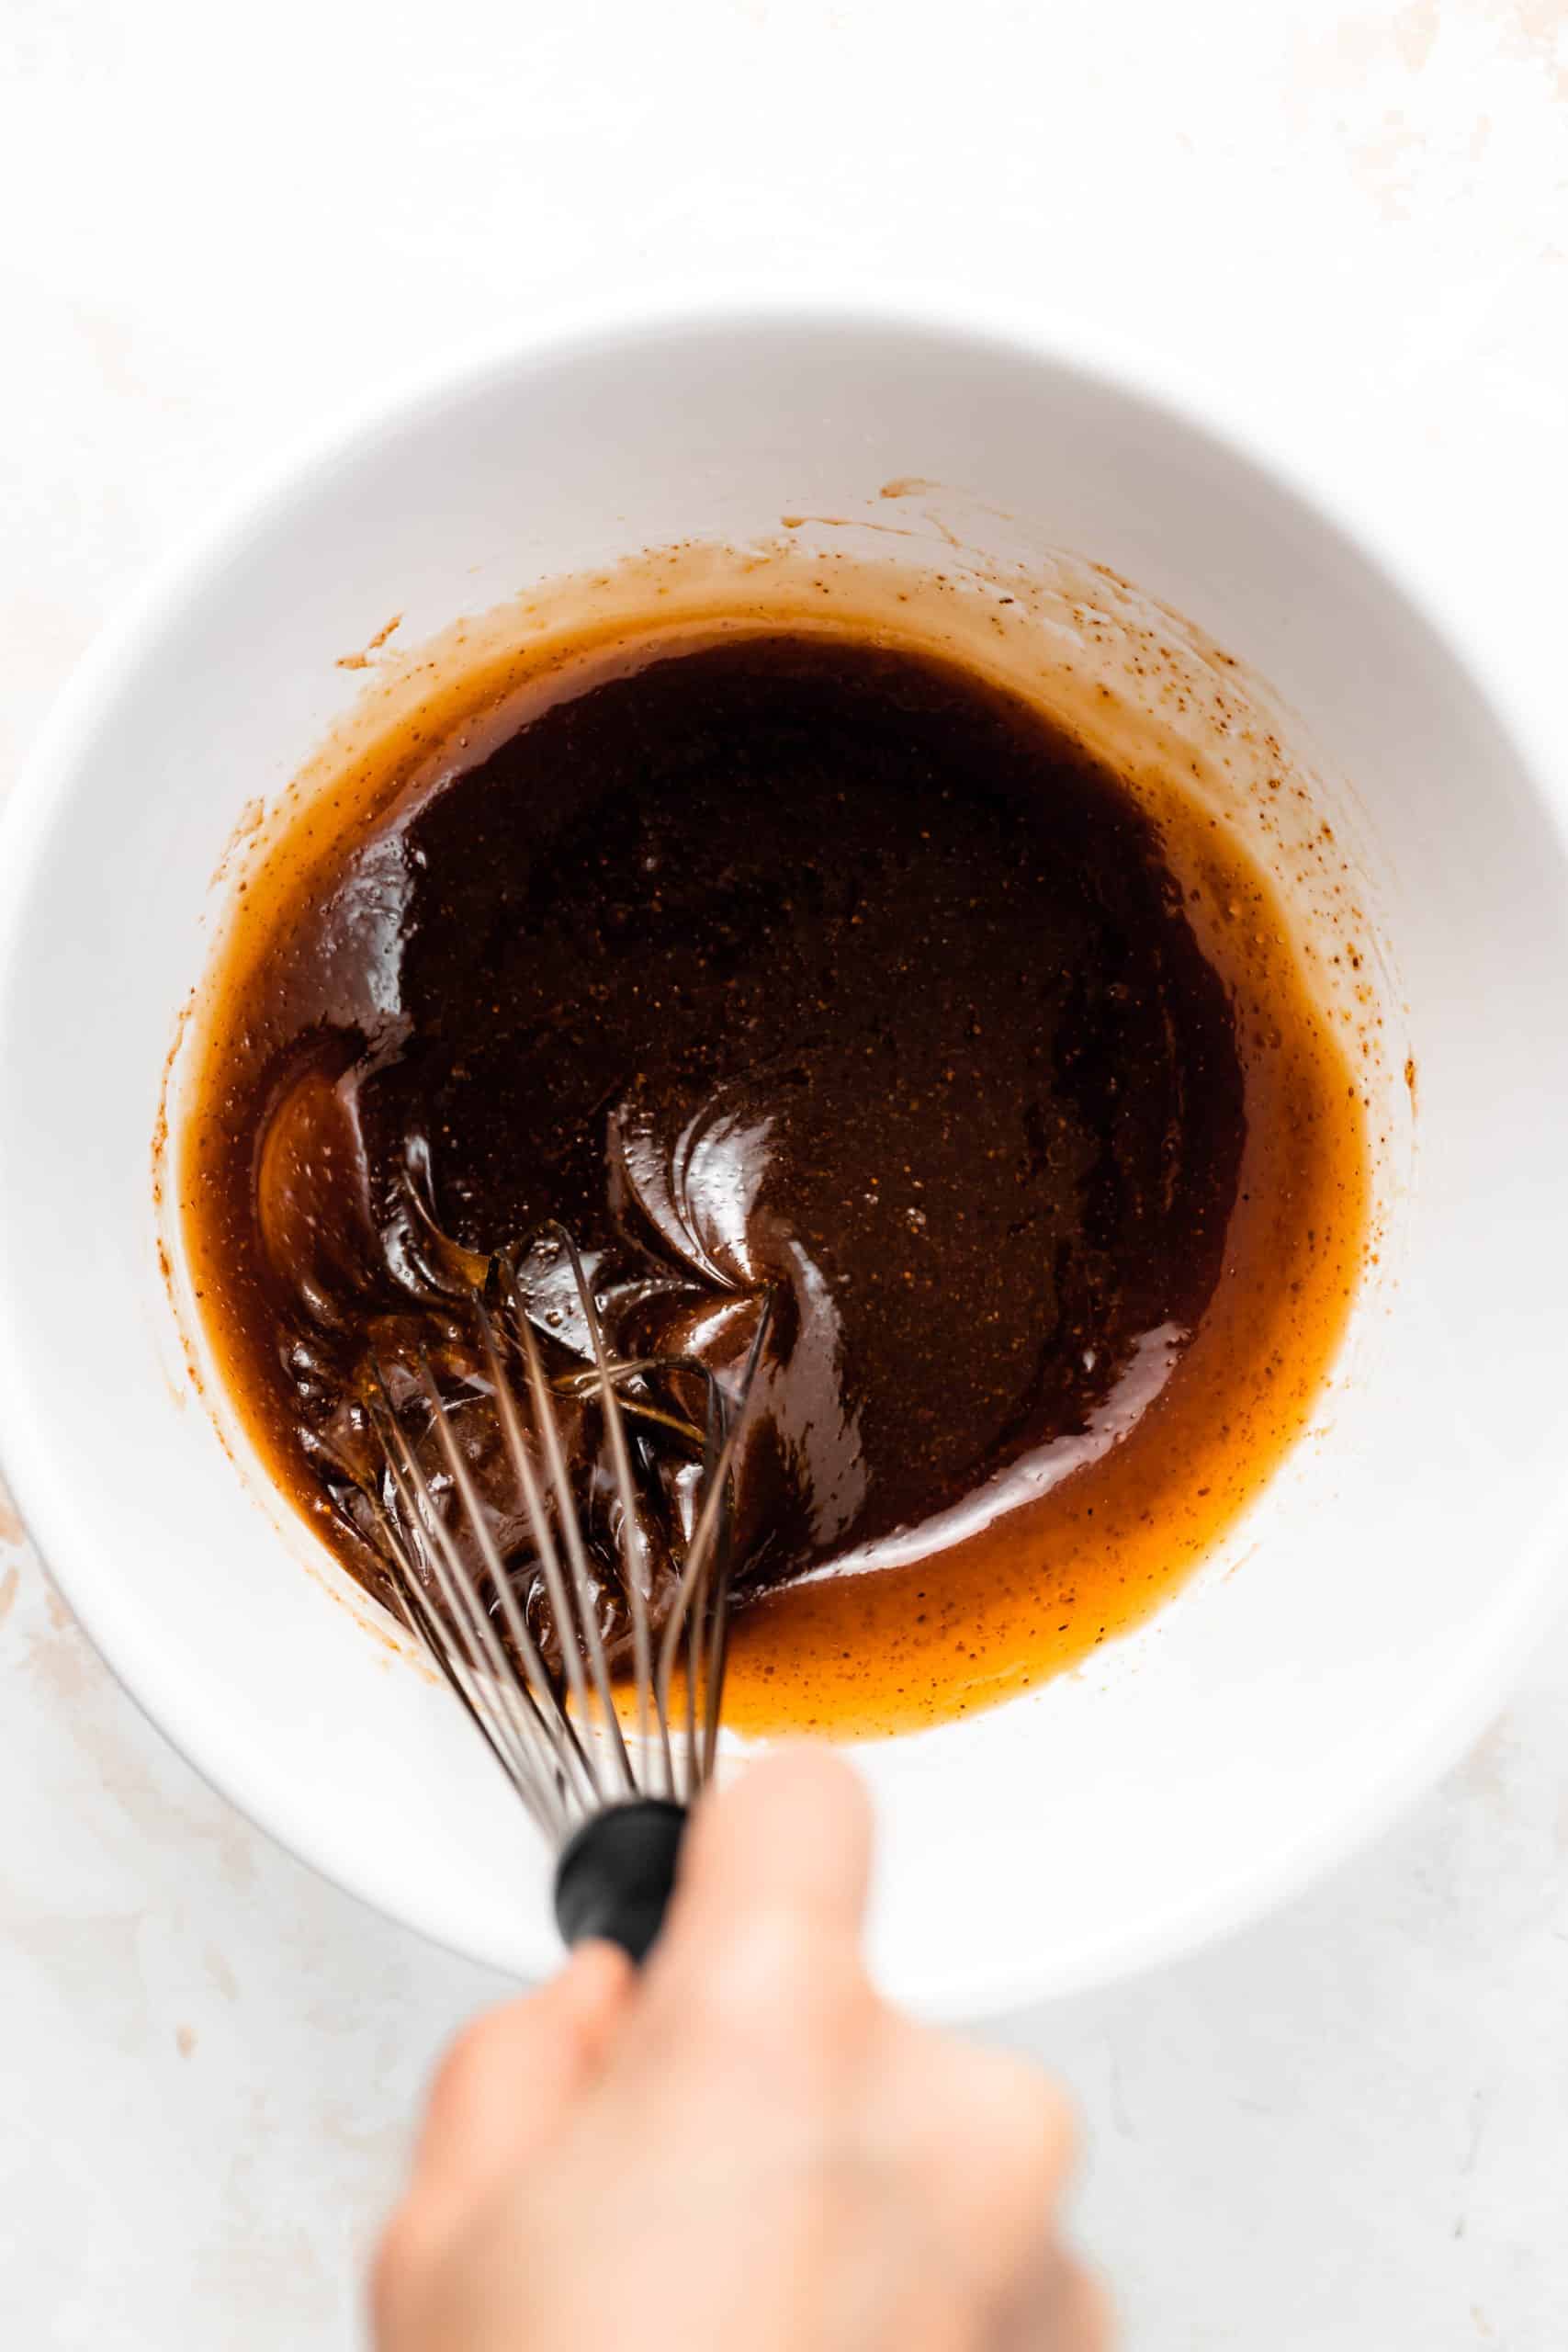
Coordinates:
x,y
762,1940
1085,2321
508,2080
792,1834
1067,2309
989,2138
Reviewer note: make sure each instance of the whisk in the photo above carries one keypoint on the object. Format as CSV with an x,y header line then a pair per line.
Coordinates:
x,y
613,1807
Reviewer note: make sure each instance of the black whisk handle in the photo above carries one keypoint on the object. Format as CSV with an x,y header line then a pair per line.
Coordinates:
x,y
615,1873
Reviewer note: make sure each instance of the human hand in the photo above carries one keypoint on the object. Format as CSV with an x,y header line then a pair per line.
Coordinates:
x,y
742,2149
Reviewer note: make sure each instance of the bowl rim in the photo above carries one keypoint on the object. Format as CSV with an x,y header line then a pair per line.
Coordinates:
x,y
1455,1710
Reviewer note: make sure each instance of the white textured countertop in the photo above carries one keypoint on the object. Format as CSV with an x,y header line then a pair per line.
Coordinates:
x,y
1346,2130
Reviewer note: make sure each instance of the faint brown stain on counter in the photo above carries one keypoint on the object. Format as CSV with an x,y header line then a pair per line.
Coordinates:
x,y
60,1662
222,1975
1534,24
10,1584
1415,32
1484,1774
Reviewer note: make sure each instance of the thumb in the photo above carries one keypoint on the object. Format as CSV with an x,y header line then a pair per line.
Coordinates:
x,y
790,1840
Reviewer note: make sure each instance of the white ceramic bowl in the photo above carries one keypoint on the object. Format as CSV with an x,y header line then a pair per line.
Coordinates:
x,y
1336,1656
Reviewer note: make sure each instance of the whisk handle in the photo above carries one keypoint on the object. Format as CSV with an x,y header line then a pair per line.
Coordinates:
x,y
614,1874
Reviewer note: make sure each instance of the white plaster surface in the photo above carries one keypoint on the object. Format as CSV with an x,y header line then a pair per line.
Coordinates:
x,y
1348,2130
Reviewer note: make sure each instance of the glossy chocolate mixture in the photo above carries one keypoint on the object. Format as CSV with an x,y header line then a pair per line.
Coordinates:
x,y
789,969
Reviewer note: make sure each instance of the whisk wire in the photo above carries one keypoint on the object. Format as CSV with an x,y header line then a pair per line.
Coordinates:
x,y
692,1598
634,1552
503,1718
451,1645
713,1446
418,1617
549,1560
584,1622
537,1688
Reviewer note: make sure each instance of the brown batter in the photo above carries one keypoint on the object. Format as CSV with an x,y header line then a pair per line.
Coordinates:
x,y
801,970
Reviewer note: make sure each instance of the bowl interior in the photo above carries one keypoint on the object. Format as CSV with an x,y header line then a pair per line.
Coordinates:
x,y
1305,1679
